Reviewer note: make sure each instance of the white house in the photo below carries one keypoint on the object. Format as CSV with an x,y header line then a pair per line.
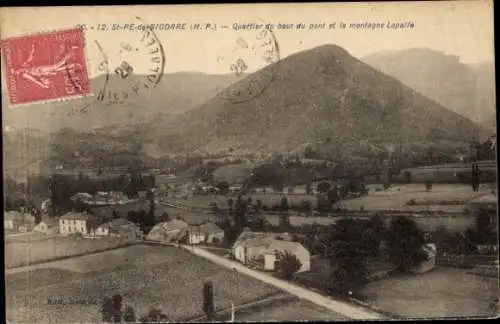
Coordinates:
x,y
73,222
17,221
206,233
251,245
280,246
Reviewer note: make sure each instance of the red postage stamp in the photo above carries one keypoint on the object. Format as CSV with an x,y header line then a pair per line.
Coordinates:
x,y
45,67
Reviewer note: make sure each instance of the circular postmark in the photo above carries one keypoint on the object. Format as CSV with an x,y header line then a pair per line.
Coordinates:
x,y
126,69
259,53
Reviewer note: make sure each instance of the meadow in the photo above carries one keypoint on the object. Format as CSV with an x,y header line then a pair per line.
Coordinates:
x,y
442,197
442,292
25,252
168,278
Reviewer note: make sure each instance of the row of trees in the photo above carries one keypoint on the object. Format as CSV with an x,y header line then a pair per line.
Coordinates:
x,y
62,188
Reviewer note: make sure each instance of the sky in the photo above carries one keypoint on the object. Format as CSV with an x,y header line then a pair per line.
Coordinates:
x,y
461,28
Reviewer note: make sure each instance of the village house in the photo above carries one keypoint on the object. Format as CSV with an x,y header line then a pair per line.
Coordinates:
x,y
19,222
208,233
167,231
119,227
260,249
77,222
277,247
47,226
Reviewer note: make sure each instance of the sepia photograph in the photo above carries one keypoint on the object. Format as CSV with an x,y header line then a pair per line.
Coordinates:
x,y
249,162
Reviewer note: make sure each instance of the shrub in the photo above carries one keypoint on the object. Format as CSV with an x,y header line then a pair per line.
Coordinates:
x,y
287,265
154,316
411,202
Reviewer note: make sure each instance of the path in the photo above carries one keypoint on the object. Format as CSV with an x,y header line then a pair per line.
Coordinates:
x,y
342,308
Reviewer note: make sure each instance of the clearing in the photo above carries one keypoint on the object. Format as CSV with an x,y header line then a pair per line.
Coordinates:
x,y
442,292
21,252
450,198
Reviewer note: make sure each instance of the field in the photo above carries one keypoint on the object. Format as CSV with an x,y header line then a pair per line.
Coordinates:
x,y
299,310
164,277
439,198
443,292
20,251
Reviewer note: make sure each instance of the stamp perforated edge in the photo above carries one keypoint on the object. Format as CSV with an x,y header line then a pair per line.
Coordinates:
x,y
4,41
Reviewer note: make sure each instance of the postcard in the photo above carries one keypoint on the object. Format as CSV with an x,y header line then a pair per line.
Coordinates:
x,y
249,162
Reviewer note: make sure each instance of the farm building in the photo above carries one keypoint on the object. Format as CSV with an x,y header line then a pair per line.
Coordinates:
x,y
20,222
206,233
279,247
250,245
47,226
74,222
119,227
261,249
167,231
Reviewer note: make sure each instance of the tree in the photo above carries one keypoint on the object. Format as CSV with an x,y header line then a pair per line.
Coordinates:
x,y
287,264
374,231
208,300
323,205
213,207
332,195
116,302
230,203
258,206
347,257
164,217
107,309
485,233
154,315
284,204
428,185
323,187
240,214
129,314
278,186
223,187
404,240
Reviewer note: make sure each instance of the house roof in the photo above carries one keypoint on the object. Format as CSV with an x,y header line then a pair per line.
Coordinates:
x,y
210,228
118,222
15,215
280,245
251,239
176,224
79,216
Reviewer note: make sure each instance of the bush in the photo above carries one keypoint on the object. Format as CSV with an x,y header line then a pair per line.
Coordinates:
x,y
154,316
287,265
411,202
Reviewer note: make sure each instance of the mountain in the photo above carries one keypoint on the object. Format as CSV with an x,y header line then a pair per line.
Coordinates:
x,y
467,89
320,95
177,93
